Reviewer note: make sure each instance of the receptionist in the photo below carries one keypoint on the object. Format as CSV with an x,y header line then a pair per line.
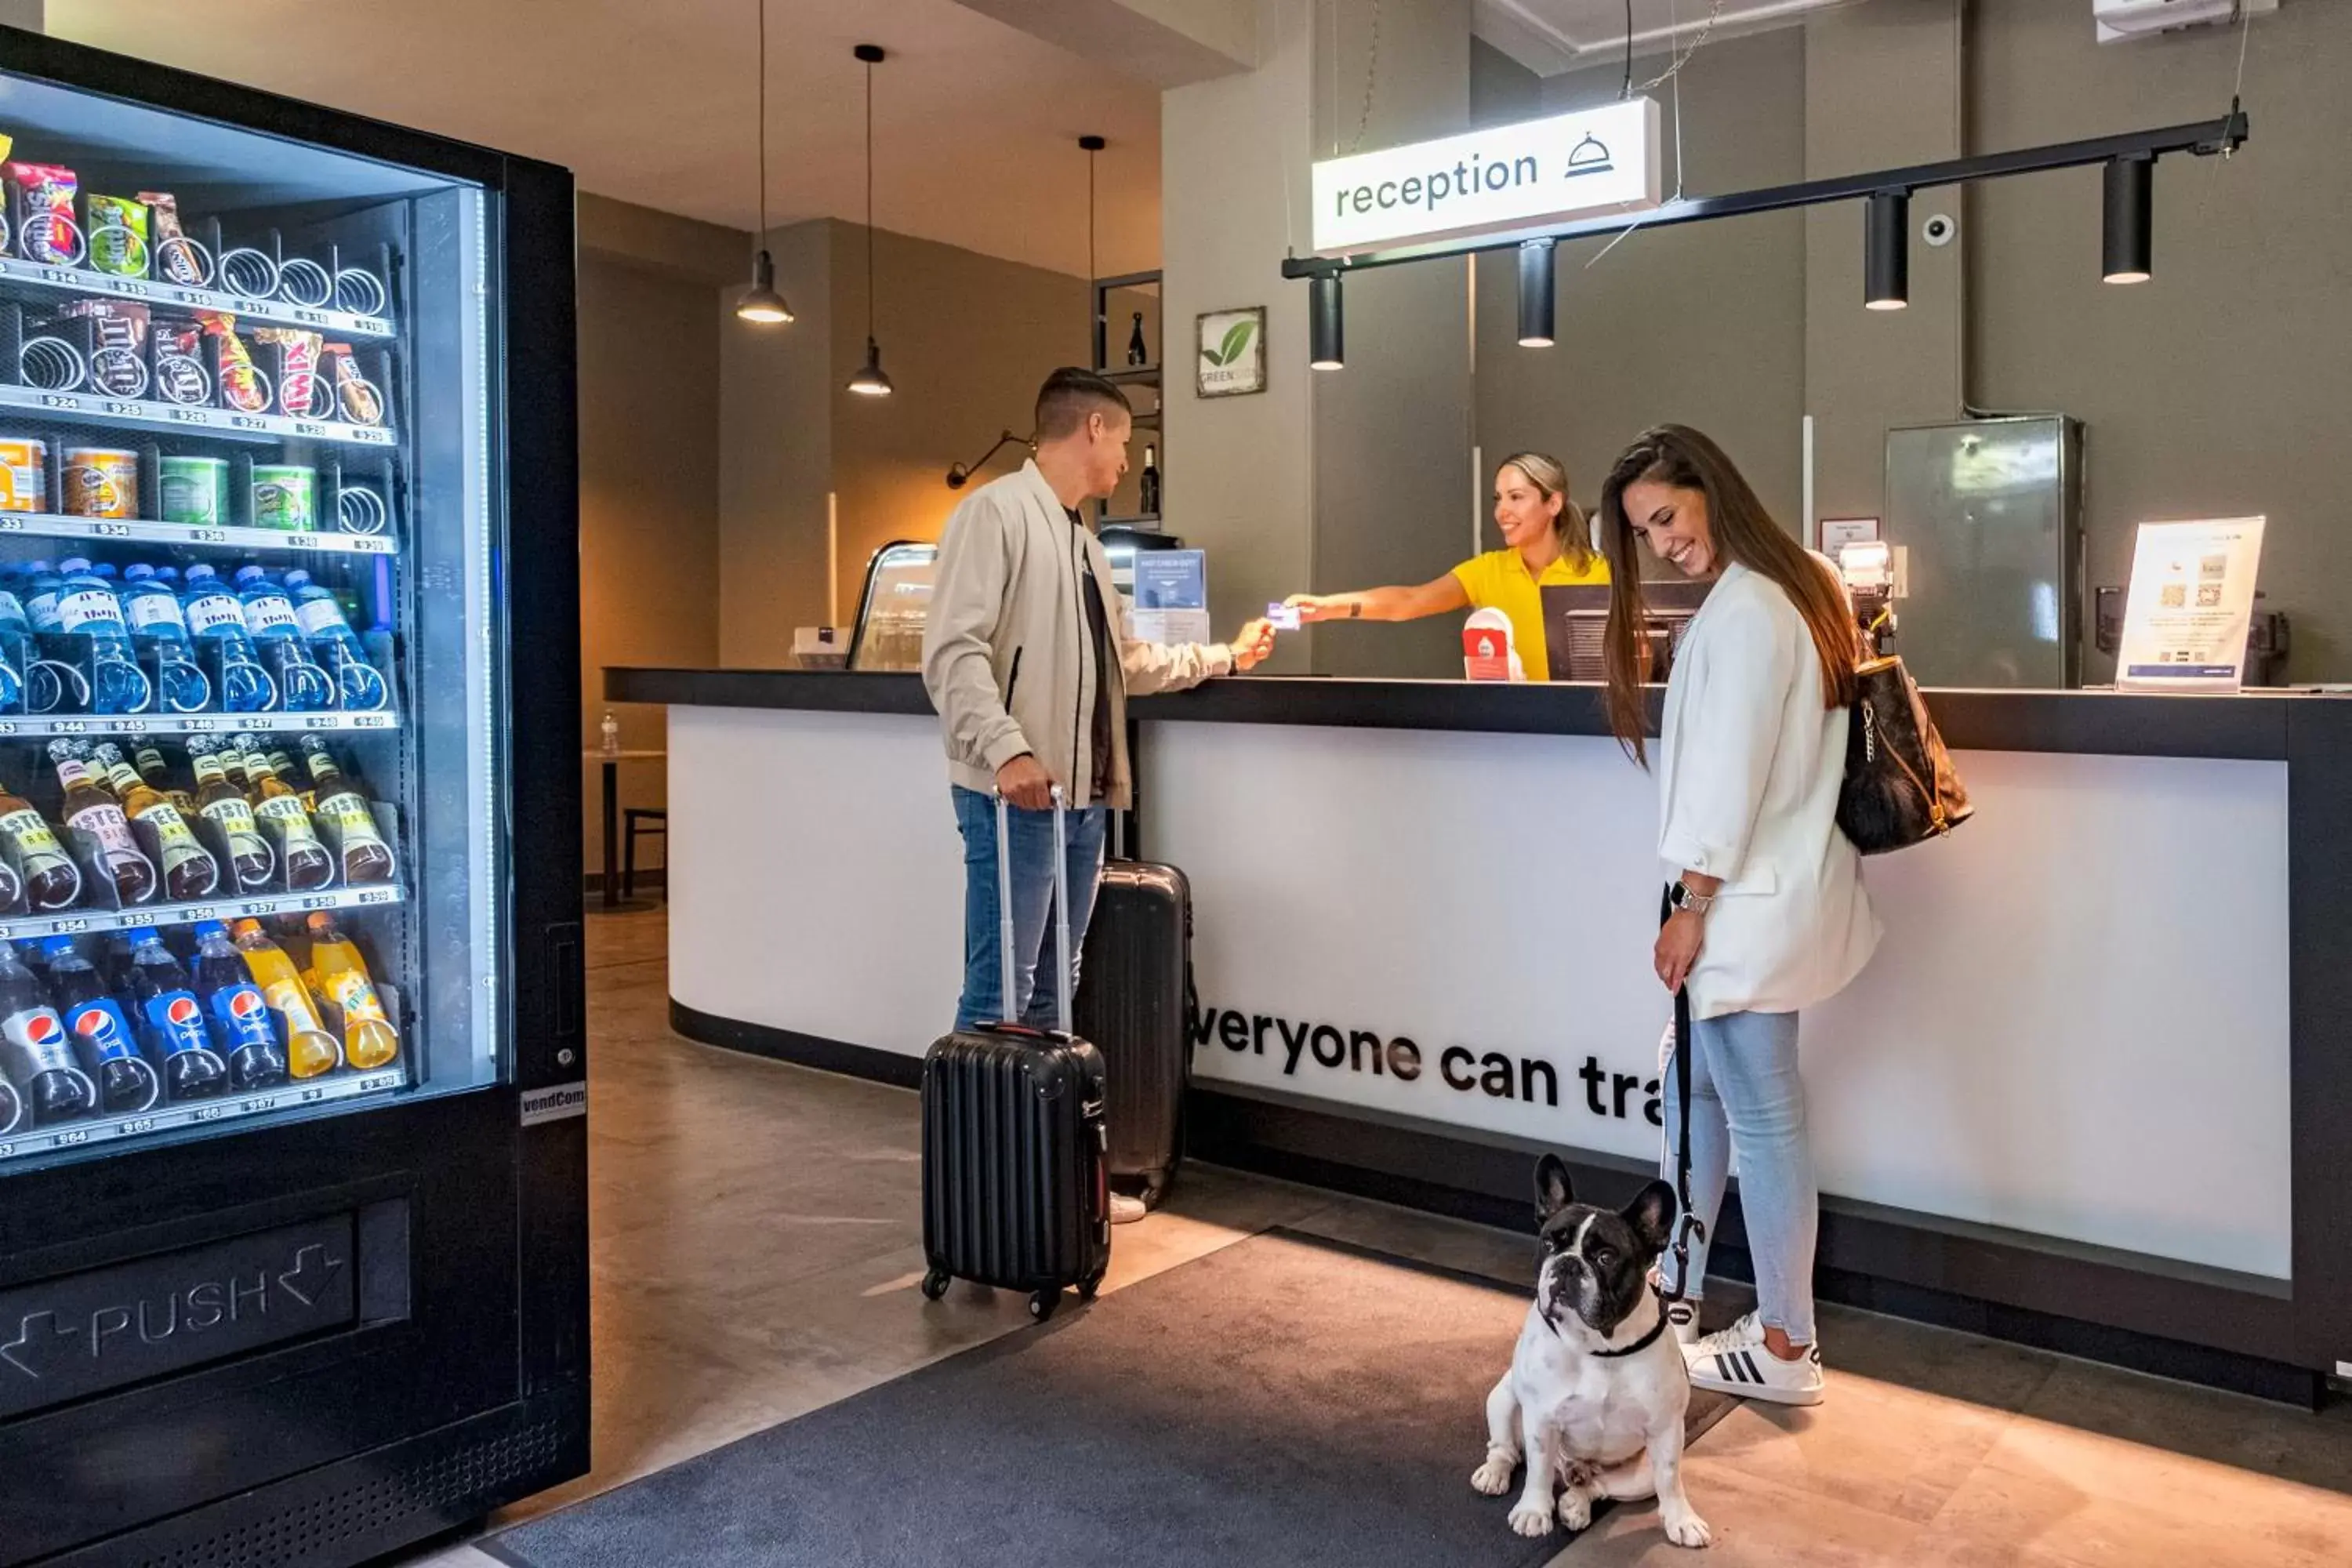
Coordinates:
x,y
1546,542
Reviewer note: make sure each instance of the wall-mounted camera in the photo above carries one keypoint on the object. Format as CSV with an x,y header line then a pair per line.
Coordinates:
x,y
1940,229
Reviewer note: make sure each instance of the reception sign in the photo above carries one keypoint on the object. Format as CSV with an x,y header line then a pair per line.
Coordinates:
x,y
1594,162
2191,606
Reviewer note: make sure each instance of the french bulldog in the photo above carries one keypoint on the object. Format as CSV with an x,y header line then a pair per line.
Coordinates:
x,y
1595,1396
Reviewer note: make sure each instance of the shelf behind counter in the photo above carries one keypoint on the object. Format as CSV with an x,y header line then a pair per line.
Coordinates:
x,y
2258,726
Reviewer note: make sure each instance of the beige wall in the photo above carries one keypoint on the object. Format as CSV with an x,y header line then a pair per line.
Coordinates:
x,y
649,501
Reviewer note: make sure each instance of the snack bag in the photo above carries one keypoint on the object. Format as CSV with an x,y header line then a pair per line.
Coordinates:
x,y
180,374
359,401
118,359
178,259
45,229
298,367
118,235
242,386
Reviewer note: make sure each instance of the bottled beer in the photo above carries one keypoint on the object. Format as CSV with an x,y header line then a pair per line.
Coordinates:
x,y
309,865
148,758
251,858
91,810
281,762
52,880
190,872
343,805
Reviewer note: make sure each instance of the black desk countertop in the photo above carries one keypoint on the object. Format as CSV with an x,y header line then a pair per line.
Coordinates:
x,y
2253,725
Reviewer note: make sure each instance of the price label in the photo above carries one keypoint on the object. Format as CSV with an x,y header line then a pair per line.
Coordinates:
x,y
69,926
368,436
60,401
125,410
6,1150
209,536
262,907
367,544
372,324
63,276
69,726
320,901
194,912
316,432
136,1126
111,529
208,1113
191,416
7,726
302,542
11,525
131,290
200,726
375,1081
378,896
267,1103
310,1097
310,318
73,1137
247,422
370,720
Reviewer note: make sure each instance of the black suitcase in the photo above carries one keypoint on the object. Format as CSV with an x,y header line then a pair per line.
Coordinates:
x,y
1134,990
1015,1190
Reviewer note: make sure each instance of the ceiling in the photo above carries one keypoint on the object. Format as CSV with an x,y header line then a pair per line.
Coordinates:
x,y
655,101
1548,37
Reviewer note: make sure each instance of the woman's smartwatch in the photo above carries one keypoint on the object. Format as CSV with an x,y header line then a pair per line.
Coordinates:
x,y
1683,896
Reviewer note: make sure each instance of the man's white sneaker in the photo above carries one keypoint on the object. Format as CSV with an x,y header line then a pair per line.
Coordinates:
x,y
1126,1210
1735,1361
1682,1319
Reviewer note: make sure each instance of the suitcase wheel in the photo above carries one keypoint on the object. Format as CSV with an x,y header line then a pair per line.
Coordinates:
x,y
1089,1285
1043,1302
935,1284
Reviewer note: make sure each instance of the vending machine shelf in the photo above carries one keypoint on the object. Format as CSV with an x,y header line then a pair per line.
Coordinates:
x,y
40,728
183,419
76,922
52,525
152,291
340,1084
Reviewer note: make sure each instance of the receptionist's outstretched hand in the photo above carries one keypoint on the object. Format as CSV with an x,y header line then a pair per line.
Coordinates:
x,y
1317,606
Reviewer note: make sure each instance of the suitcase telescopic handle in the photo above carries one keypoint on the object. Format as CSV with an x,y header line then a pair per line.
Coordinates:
x,y
1061,907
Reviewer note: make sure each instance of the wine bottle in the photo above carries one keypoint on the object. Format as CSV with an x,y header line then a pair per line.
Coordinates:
x,y
1137,351
1151,480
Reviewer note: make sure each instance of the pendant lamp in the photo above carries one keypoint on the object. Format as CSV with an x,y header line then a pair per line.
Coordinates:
x,y
870,381
761,302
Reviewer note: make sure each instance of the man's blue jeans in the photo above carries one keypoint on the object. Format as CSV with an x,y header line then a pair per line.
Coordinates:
x,y
1033,850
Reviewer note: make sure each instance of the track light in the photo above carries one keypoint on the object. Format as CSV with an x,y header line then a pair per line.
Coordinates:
x,y
1886,252
2126,237
1326,334
1535,294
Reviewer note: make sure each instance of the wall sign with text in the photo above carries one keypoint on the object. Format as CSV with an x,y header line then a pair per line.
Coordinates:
x,y
1592,161
1230,355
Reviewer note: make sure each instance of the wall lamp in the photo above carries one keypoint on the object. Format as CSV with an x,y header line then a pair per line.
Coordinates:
x,y
959,474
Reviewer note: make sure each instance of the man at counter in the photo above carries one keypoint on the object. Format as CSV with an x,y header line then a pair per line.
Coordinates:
x,y
1027,662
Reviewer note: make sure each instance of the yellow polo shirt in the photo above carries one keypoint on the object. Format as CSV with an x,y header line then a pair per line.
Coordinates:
x,y
1500,580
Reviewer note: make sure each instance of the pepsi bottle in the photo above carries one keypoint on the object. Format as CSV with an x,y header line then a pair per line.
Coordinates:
x,y
127,1083
174,1020
238,1012
35,1055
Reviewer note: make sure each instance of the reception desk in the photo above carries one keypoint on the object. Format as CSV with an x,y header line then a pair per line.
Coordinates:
x,y
2094,1092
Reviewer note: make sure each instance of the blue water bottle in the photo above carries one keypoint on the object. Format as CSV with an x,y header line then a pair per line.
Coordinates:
x,y
159,629
216,619
357,683
16,644
90,607
302,686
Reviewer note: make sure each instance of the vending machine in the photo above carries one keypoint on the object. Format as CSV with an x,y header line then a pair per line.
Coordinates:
x,y
293,1239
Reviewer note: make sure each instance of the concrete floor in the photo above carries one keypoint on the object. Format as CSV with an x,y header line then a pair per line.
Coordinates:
x,y
756,1242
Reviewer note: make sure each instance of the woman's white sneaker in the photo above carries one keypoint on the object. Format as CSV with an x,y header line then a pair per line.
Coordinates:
x,y
1735,1361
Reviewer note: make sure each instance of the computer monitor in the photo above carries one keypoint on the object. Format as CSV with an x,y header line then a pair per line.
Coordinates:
x,y
1576,619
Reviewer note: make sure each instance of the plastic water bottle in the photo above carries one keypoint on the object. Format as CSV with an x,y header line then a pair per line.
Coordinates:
x,y
42,584
16,644
334,644
269,621
89,605
159,627
215,616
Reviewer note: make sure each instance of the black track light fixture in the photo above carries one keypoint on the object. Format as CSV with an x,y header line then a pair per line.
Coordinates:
x,y
1886,251
1327,338
1536,274
2126,240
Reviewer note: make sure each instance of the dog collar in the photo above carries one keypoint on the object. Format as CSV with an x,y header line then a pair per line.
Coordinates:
x,y
1646,1341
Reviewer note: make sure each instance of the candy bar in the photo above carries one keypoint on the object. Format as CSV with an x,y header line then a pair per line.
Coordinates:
x,y
362,404
298,367
45,229
242,387
176,256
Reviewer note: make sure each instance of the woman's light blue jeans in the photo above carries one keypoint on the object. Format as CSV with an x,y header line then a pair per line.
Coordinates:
x,y
1746,1097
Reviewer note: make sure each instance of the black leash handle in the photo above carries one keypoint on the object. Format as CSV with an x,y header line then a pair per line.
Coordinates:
x,y
1686,1223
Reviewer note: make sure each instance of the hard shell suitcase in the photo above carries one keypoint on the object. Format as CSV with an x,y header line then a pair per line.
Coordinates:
x,y
1134,990
1015,1189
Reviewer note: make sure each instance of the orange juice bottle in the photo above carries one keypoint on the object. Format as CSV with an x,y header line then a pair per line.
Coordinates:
x,y
310,1050
340,975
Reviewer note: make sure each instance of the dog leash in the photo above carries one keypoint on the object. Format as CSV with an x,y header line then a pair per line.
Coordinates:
x,y
1686,1223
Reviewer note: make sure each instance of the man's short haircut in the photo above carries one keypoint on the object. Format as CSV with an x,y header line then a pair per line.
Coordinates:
x,y
1070,394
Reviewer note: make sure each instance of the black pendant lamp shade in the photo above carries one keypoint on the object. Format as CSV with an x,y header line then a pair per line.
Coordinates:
x,y
761,302
1536,294
2127,243
1886,252
870,382
1326,336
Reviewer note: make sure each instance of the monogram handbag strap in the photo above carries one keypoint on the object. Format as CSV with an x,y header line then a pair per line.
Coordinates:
x,y
1687,1224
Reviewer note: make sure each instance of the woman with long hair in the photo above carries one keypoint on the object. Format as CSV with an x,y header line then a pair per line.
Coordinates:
x,y
1546,542
1769,916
